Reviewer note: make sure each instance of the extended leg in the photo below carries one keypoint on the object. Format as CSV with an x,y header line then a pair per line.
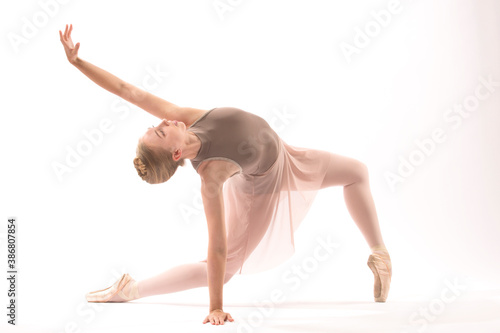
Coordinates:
x,y
178,278
175,279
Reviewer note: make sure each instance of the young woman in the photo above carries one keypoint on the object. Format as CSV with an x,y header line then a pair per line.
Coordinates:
x,y
256,190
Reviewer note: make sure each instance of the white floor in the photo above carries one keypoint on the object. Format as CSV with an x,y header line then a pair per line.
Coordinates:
x,y
451,310
428,294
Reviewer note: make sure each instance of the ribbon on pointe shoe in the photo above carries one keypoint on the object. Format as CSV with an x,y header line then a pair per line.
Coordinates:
x,y
380,264
104,295
133,292
382,252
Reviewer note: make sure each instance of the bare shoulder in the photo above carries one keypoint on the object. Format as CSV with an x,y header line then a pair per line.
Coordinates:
x,y
217,171
189,115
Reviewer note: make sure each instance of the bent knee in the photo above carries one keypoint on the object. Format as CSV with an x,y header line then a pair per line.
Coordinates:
x,y
360,171
344,171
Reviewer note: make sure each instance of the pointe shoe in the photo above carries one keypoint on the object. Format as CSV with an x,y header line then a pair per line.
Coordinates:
x,y
381,267
109,294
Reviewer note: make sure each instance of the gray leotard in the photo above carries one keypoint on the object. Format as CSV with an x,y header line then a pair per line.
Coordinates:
x,y
231,134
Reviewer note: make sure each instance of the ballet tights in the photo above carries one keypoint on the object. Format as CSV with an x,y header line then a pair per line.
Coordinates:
x,y
175,279
343,171
353,176
178,278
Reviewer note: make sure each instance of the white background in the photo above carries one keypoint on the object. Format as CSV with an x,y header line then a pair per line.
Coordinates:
x,y
79,231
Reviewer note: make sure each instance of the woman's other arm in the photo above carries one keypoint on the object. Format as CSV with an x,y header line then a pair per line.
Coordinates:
x,y
101,77
155,105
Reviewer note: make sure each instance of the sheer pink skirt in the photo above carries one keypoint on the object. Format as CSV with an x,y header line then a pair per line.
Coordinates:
x,y
263,211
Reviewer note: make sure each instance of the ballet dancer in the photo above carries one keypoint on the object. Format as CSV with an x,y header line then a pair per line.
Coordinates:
x,y
256,190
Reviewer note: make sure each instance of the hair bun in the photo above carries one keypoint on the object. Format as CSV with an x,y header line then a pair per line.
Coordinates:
x,y
140,167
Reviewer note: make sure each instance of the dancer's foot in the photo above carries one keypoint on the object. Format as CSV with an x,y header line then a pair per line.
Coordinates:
x,y
380,264
123,290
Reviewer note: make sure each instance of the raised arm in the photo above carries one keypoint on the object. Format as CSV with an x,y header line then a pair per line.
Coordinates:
x,y
155,105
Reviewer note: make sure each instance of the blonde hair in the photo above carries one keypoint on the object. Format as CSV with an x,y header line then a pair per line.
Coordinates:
x,y
155,166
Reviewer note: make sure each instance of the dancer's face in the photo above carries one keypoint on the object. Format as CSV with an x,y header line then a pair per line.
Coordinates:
x,y
169,134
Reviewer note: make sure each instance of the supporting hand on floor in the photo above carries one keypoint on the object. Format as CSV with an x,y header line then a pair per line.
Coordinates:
x,y
217,317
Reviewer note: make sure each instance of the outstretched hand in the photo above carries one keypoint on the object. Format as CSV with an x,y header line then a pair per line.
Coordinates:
x,y
70,49
217,317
